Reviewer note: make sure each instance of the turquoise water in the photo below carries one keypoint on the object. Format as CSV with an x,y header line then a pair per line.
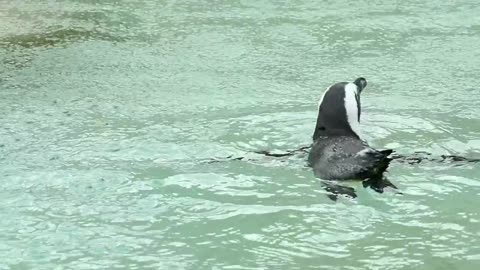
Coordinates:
x,y
109,111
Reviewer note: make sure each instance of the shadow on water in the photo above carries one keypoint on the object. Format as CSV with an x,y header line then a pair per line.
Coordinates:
x,y
56,38
20,50
20,42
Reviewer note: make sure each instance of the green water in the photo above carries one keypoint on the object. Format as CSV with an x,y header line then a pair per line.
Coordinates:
x,y
109,110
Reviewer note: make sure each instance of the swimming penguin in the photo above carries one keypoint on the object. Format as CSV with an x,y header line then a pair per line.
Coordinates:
x,y
338,153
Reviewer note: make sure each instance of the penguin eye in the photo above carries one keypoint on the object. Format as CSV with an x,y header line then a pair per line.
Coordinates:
x,y
321,128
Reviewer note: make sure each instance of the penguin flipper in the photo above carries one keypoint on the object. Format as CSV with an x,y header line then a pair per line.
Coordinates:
x,y
334,190
378,184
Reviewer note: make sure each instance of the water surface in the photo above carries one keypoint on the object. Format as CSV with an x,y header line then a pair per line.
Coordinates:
x,y
109,110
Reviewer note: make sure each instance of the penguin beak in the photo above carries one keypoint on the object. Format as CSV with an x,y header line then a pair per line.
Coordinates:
x,y
361,84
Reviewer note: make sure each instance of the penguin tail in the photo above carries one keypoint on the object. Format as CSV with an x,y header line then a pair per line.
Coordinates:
x,y
384,162
386,152
381,161
377,181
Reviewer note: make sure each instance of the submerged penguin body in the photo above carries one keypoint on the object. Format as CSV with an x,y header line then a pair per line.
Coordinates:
x,y
346,158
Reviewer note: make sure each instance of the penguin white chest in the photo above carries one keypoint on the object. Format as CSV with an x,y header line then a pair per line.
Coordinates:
x,y
351,107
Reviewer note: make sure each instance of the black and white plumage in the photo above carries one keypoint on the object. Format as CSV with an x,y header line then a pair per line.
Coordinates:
x,y
337,152
339,110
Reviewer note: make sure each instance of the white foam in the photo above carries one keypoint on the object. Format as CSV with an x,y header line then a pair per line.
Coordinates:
x,y
352,108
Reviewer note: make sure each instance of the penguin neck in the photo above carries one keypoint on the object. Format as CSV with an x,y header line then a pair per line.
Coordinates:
x,y
328,126
323,132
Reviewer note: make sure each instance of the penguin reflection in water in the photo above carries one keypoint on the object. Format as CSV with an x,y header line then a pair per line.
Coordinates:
x,y
338,154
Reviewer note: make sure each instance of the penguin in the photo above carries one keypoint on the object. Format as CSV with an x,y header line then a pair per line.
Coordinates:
x,y
338,153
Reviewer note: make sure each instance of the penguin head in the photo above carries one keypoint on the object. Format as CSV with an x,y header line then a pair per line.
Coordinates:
x,y
361,83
